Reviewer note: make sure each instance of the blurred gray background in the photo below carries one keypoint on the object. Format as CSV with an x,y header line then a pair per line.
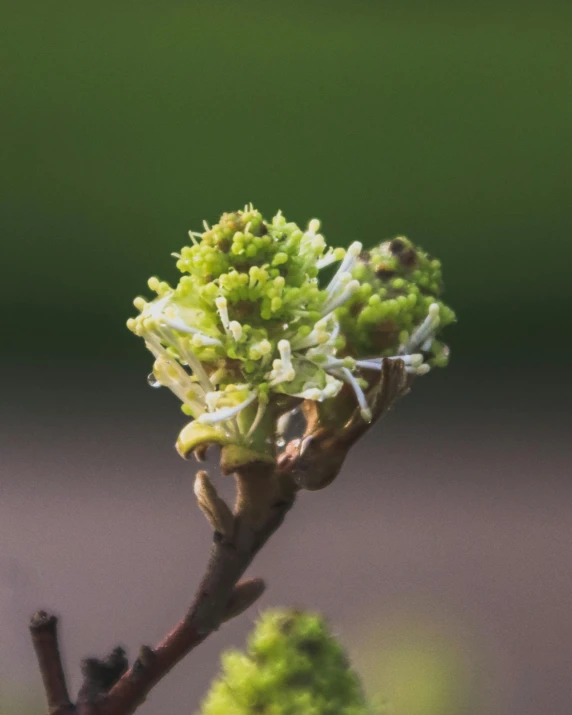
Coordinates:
x,y
442,554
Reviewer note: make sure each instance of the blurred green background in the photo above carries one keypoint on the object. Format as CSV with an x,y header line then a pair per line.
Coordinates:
x,y
126,124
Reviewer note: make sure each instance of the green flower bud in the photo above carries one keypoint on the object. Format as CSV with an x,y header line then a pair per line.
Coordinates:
x,y
404,282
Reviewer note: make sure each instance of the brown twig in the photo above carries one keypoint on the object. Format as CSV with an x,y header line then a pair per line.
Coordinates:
x,y
214,603
44,631
264,497
111,690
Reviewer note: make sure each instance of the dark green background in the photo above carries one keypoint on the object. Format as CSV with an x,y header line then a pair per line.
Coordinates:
x,y
127,123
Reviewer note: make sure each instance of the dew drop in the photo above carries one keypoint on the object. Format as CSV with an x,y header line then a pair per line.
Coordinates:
x,y
152,380
280,442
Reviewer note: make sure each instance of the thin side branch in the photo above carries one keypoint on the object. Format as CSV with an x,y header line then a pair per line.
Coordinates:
x,y
44,631
110,687
217,599
265,494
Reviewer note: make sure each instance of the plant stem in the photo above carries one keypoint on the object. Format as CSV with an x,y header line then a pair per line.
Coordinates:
x,y
226,565
109,687
44,632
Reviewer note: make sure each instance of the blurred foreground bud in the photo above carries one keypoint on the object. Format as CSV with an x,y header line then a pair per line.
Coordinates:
x,y
251,334
292,665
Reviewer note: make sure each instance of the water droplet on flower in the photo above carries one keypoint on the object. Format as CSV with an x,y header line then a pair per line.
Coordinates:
x,y
152,380
280,442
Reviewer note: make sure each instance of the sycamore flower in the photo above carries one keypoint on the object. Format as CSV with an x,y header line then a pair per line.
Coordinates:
x,y
397,303
250,330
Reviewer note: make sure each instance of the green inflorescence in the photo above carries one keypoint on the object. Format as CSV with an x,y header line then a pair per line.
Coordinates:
x,y
292,666
262,275
398,284
250,330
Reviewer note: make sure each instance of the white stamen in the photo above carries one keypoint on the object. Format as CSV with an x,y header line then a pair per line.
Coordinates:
x,y
318,244
192,235
236,329
414,360
218,375
212,399
182,327
336,331
346,265
225,413
162,332
312,393
326,260
374,364
222,307
318,336
425,331
313,226
200,341
347,376
351,257
283,371
332,388
285,353
261,350
189,357
258,418
327,361
207,227
170,374
342,279
156,307
347,293
332,362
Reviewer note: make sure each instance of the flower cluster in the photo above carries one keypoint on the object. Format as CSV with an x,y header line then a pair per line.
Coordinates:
x,y
250,330
397,303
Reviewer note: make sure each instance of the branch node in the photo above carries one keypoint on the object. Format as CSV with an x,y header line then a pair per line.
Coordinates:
x,y
109,687
99,676
144,661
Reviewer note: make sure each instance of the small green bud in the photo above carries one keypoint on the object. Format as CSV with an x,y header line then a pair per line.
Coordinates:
x,y
396,272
